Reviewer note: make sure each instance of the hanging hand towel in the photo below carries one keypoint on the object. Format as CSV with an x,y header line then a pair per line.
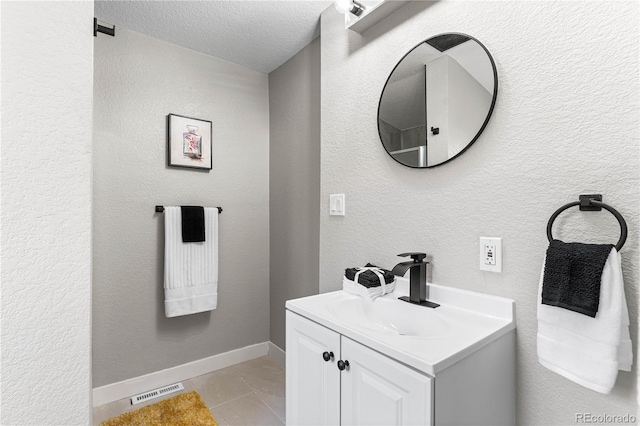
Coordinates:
x,y
573,274
588,351
193,229
190,269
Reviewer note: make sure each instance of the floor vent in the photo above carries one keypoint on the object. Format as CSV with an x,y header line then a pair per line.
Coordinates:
x,y
156,393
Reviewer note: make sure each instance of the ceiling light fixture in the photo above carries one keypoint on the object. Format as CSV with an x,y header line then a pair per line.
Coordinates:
x,y
349,6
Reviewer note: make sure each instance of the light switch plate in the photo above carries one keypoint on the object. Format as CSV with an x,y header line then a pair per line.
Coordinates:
x,y
336,204
491,254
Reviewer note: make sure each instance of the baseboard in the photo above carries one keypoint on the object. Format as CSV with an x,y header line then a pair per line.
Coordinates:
x,y
277,354
126,388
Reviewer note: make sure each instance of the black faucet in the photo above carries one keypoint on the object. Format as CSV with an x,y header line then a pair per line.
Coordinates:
x,y
417,279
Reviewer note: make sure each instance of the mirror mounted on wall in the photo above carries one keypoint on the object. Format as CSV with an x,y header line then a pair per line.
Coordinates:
x,y
437,100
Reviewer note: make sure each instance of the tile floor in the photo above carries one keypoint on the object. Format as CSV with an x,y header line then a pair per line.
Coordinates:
x,y
251,393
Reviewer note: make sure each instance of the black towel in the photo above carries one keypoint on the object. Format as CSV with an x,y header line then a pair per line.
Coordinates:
x,y
192,224
369,278
572,276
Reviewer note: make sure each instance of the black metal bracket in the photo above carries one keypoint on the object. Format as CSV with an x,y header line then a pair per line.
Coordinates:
x,y
97,28
587,206
435,130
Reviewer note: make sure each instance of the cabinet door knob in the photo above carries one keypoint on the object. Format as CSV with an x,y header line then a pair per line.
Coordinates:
x,y
342,365
327,356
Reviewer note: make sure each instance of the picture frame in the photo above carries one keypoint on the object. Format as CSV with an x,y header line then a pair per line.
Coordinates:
x,y
189,142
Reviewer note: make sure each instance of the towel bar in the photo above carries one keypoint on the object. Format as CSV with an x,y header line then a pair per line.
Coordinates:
x,y
160,209
592,203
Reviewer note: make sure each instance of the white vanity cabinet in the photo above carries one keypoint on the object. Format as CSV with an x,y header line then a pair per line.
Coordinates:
x,y
372,390
376,390
407,365
312,384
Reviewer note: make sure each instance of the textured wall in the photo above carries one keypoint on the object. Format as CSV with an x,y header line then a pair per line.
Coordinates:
x,y
294,176
46,213
138,81
566,122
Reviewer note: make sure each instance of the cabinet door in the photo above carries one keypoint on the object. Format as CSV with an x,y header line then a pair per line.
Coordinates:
x,y
377,390
313,384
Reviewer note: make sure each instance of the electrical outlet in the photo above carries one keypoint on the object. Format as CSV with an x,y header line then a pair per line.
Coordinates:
x,y
491,254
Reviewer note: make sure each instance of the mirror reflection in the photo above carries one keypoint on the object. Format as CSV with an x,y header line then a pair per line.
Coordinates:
x,y
437,100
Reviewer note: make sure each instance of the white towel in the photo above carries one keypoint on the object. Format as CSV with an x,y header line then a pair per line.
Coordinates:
x,y
368,293
587,350
190,269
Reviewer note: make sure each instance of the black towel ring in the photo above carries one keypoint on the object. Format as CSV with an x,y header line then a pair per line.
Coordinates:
x,y
592,203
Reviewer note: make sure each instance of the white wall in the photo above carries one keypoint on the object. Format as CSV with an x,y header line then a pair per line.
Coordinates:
x,y
468,106
438,106
566,122
138,81
46,212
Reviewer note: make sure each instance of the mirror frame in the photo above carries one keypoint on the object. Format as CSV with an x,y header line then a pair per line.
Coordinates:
x,y
486,120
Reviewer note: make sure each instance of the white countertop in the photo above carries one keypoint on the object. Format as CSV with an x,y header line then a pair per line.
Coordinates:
x,y
472,321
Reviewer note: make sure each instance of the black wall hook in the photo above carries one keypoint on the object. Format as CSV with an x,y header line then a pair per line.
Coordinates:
x,y
97,28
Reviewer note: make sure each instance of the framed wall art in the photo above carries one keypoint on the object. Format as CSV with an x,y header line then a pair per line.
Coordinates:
x,y
189,141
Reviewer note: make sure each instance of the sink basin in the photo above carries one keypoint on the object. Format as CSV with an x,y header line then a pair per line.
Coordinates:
x,y
429,340
391,316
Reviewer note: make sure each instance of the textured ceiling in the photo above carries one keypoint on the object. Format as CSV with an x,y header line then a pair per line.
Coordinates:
x,y
260,35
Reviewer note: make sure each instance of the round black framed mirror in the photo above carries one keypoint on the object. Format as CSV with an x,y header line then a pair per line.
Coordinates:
x,y
437,100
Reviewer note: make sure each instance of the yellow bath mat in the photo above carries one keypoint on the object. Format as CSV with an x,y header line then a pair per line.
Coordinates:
x,y
186,409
